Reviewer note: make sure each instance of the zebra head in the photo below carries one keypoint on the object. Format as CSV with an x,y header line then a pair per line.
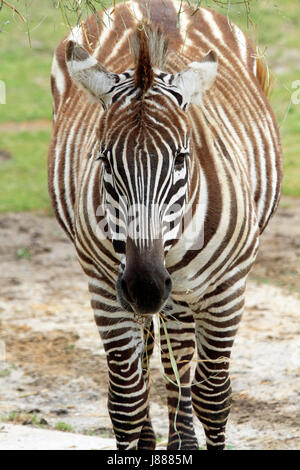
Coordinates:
x,y
146,156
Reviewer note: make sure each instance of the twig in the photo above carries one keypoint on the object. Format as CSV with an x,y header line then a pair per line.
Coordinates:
x,y
15,10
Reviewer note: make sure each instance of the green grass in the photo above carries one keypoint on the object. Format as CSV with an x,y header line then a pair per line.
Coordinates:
x,y
5,372
23,253
23,178
22,417
26,56
25,69
61,426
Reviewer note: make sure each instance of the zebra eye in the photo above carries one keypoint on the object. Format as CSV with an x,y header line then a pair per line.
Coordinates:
x,y
106,164
179,160
103,157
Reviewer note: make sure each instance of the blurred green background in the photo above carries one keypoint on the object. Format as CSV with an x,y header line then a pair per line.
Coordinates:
x,y
26,50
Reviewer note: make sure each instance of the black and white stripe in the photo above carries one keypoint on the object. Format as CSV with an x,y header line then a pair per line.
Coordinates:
x,y
170,187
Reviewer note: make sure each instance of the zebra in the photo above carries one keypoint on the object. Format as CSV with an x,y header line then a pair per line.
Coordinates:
x,y
164,170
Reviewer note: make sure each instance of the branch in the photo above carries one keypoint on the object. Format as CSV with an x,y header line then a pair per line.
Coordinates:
x,y
14,9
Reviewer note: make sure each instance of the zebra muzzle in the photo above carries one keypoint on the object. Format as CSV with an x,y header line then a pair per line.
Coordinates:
x,y
145,284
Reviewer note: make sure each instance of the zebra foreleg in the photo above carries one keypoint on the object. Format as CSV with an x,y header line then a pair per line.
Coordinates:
x,y
147,440
123,343
177,349
211,389
128,391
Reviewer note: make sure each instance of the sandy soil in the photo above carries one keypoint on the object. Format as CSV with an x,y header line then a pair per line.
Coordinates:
x,y
52,365
13,127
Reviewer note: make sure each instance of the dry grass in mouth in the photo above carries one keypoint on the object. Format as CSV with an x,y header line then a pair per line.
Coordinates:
x,y
162,326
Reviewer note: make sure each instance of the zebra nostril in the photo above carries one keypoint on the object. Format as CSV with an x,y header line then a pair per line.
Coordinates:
x,y
168,282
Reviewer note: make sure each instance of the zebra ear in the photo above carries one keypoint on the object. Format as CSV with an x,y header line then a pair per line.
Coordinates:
x,y
197,78
89,74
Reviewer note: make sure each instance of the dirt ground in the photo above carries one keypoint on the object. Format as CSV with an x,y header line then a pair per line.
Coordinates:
x,y
52,365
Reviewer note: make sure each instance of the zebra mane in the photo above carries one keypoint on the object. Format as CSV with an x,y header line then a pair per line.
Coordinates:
x,y
263,75
149,50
